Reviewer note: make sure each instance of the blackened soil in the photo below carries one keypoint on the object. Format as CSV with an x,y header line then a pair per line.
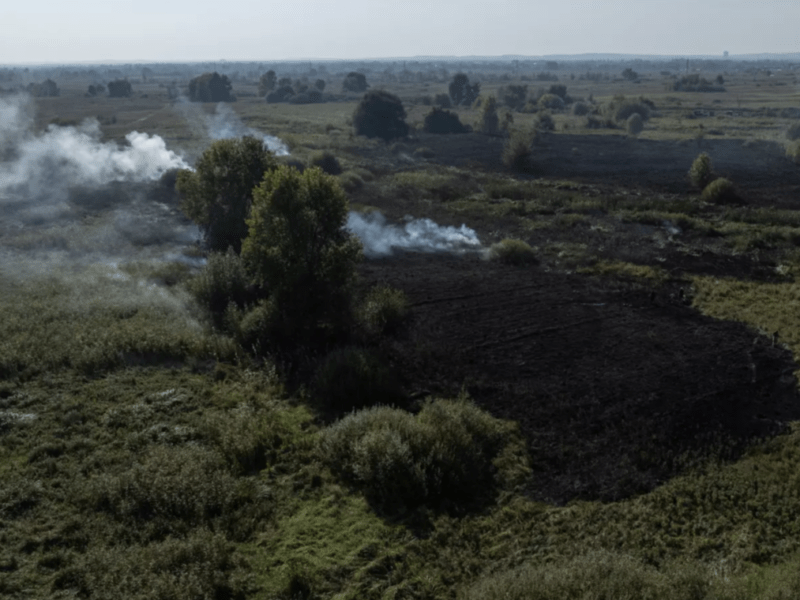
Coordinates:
x,y
615,388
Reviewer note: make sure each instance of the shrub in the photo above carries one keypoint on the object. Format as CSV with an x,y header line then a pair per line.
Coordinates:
x,y
517,152
46,89
218,194
380,114
442,122
210,87
383,310
282,94
513,96
513,252
793,133
720,190
695,83
355,82
623,111
351,378
442,101
489,121
462,92
327,162
299,247
442,458
267,83
580,109
222,280
793,152
701,172
551,101
634,124
351,181
119,88
544,122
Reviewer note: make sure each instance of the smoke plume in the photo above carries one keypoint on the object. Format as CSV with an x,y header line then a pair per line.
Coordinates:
x,y
417,235
225,123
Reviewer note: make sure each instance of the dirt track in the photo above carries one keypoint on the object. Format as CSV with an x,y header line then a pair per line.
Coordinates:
x,y
613,389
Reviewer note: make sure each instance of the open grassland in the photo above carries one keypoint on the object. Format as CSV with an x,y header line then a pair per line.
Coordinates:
x,y
143,454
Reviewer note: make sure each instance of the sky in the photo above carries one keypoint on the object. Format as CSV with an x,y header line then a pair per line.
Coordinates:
x,y
54,31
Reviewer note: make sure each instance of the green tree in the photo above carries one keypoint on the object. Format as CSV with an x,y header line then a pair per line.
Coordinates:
x,y
299,249
218,194
380,114
462,92
210,87
355,82
119,88
267,83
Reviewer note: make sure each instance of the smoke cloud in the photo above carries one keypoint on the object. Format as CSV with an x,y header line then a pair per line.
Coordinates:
x,y
46,165
225,123
417,235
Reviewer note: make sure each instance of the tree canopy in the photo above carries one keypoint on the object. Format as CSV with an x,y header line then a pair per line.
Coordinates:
x,y
211,87
380,114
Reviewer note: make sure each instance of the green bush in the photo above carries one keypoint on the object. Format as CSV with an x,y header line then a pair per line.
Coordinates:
x,y
581,109
793,152
202,565
462,92
489,121
518,151
210,87
634,124
444,457
351,378
222,280
793,133
442,122
351,181
380,114
355,82
299,248
551,101
217,195
327,162
383,310
442,101
544,122
719,191
513,252
701,173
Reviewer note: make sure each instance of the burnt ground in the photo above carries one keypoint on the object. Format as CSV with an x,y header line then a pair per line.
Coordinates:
x,y
614,390
761,169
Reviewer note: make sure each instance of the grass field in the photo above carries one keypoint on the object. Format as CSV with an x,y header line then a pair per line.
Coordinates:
x,y
145,454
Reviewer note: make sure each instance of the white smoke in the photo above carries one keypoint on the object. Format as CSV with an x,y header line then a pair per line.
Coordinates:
x,y
418,235
48,164
225,123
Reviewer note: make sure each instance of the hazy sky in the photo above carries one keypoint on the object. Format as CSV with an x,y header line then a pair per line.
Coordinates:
x,y
188,30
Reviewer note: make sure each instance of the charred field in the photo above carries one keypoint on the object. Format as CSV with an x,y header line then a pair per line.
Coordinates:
x,y
640,364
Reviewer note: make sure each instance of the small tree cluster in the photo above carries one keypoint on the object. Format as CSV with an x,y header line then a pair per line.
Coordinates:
x,y
211,87
267,83
701,173
355,82
462,92
489,122
513,96
119,88
96,90
217,195
518,151
46,89
695,83
443,122
445,457
380,114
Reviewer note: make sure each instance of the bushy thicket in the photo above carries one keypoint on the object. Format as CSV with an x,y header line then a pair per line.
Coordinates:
x,y
634,124
621,108
462,92
793,132
355,82
46,89
701,173
267,83
211,87
695,83
222,281
218,193
443,122
720,190
383,310
327,162
119,88
518,151
380,114
442,101
489,121
352,377
513,252
445,457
